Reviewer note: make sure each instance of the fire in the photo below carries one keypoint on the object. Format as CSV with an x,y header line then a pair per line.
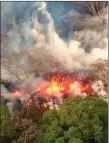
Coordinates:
x,y
54,87
51,92
60,84
72,86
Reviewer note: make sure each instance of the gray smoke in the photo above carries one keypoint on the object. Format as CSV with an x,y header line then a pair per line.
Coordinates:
x,y
33,45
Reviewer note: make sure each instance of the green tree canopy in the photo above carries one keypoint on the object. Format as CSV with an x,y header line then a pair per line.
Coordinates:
x,y
78,120
6,121
17,129
7,128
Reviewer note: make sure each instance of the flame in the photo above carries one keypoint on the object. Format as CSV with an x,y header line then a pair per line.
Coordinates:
x,y
54,87
72,86
59,84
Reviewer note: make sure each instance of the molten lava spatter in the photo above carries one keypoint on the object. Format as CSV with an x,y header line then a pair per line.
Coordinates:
x,y
56,86
60,84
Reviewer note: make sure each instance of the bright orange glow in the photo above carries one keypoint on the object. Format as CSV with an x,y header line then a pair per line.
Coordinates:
x,y
60,84
38,89
57,86
72,86
54,87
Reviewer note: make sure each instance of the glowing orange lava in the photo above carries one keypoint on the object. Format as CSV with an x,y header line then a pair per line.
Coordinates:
x,y
54,87
60,84
57,86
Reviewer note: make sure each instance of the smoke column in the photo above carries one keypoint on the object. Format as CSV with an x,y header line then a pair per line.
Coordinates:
x,y
33,44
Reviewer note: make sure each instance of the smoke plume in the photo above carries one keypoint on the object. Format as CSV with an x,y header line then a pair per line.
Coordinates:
x,y
45,51
34,45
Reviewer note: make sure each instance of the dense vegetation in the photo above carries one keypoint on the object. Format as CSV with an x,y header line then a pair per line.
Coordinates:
x,y
79,120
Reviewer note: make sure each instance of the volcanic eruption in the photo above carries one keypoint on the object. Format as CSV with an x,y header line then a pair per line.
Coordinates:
x,y
35,45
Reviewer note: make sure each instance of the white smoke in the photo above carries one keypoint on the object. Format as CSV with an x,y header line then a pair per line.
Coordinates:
x,y
44,51
98,88
12,96
3,89
32,83
93,35
48,52
5,93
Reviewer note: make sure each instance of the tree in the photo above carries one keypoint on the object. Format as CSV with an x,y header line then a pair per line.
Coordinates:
x,y
60,140
75,140
7,128
31,112
26,131
95,7
78,120
18,129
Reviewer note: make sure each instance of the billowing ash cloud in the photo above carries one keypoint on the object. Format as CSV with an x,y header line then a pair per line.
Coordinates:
x,y
33,45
